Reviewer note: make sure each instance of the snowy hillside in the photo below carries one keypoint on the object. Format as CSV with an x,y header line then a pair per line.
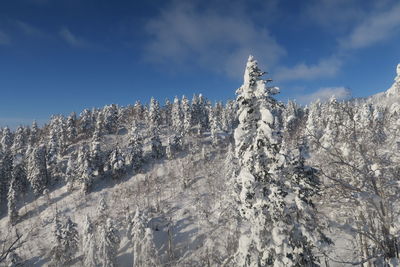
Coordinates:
x,y
253,182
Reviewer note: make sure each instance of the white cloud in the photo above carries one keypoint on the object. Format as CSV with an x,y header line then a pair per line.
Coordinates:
x,y
375,28
334,14
324,94
29,29
186,34
72,39
4,38
325,68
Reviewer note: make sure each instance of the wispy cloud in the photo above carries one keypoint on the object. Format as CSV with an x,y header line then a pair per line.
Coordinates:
x,y
324,94
186,34
325,68
29,29
374,28
72,39
4,38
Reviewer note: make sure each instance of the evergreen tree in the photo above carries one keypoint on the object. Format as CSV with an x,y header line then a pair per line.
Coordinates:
x,y
19,145
85,170
167,113
110,115
89,244
177,116
96,155
117,163
135,146
187,116
215,127
109,244
86,123
70,240
6,141
12,203
34,134
102,209
66,242
72,132
272,198
71,173
154,116
257,148
37,170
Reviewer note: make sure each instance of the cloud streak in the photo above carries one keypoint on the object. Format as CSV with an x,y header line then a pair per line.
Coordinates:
x,y
4,38
325,68
374,29
185,34
72,39
324,94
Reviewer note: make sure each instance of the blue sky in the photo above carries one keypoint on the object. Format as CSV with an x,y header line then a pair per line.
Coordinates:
x,y
59,56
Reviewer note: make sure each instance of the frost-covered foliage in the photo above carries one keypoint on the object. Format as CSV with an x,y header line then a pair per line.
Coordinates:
x,y
117,163
37,170
66,241
253,182
135,147
12,203
109,243
89,244
275,190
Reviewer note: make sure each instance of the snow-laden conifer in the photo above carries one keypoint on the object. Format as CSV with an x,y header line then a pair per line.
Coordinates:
x,y
89,244
96,155
135,147
187,115
177,116
117,163
37,170
12,203
109,244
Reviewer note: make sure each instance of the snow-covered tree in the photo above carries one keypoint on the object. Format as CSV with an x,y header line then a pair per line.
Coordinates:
x,y
109,244
71,173
187,116
157,150
102,209
135,147
167,113
266,200
12,203
70,240
136,232
89,244
110,116
66,242
37,170
85,170
215,127
86,123
154,116
117,163
148,254
6,141
71,129
34,134
19,142
177,116
96,155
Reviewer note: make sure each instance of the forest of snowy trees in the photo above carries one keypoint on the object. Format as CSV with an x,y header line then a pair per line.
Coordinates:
x,y
261,183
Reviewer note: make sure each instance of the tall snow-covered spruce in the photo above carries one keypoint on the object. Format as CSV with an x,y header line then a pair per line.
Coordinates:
x,y
266,200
